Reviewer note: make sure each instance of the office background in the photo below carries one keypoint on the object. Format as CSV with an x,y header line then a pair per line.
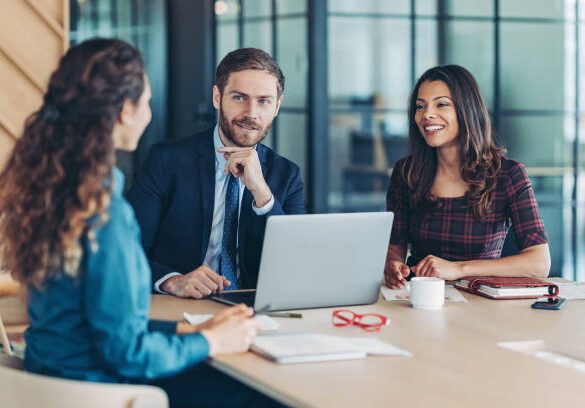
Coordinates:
x,y
349,67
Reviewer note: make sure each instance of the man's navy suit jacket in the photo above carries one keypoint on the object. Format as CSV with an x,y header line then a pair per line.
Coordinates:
x,y
173,198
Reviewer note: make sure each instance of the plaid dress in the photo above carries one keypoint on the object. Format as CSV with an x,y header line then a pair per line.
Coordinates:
x,y
450,231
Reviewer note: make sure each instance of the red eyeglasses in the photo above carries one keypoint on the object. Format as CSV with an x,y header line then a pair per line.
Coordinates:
x,y
369,322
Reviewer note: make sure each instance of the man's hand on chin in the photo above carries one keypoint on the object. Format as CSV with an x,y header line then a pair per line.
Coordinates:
x,y
243,162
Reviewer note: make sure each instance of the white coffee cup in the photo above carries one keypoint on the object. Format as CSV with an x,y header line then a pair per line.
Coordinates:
x,y
427,293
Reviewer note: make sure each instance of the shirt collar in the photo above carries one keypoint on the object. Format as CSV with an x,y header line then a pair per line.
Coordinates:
x,y
219,159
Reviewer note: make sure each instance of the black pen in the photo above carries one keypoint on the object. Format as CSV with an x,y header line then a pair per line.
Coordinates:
x,y
264,310
285,314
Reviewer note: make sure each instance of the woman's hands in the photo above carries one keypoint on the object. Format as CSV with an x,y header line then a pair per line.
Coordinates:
x,y
230,331
396,270
395,273
438,267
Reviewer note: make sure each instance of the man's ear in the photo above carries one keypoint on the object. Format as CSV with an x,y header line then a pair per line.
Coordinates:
x,y
127,113
278,102
216,97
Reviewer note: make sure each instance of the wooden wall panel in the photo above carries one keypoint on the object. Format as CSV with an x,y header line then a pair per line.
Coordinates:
x,y
34,34
7,141
23,96
56,9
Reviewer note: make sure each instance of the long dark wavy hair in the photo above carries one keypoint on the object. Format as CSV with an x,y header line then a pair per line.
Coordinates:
x,y
480,156
58,179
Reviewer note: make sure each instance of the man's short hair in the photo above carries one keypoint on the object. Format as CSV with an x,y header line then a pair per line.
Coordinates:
x,y
247,58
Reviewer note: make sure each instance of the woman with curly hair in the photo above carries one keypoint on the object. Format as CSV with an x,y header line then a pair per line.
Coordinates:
x,y
455,198
69,235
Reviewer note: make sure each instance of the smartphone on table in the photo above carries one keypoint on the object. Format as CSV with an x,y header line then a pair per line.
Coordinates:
x,y
554,303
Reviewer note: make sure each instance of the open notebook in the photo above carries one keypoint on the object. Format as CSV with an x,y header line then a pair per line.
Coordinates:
x,y
304,347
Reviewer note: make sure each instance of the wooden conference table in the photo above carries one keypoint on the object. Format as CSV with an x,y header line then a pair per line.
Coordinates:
x,y
456,361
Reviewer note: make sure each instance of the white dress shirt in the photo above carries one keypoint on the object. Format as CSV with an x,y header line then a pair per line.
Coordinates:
x,y
213,254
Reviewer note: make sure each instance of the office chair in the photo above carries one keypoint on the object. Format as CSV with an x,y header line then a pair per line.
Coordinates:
x,y
21,389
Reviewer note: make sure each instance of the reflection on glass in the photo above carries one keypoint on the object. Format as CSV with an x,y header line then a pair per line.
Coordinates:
x,y
365,147
532,66
144,25
536,140
471,45
257,8
293,60
533,8
581,72
369,6
258,35
292,139
426,48
549,192
291,6
469,8
227,39
226,9
426,7
369,59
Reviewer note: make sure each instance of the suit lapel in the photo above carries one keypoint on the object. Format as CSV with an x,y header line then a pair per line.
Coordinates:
x,y
206,164
262,150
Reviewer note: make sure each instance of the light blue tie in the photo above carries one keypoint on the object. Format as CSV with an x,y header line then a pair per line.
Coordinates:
x,y
227,263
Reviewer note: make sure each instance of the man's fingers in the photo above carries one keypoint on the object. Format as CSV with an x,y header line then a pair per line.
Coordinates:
x,y
202,281
224,283
232,168
217,279
233,149
203,288
194,292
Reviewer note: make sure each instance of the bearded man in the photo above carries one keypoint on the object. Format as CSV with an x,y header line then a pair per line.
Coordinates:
x,y
202,202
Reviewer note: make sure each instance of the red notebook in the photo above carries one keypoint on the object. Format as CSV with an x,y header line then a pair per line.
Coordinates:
x,y
495,287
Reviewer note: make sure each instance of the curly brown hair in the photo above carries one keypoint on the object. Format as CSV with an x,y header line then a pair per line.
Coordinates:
x,y
55,188
480,156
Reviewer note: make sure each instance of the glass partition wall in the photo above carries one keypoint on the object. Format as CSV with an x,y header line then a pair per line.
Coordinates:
x,y
142,23
527,55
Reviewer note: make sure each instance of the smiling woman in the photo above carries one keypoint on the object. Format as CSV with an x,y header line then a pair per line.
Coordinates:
x,y
455,198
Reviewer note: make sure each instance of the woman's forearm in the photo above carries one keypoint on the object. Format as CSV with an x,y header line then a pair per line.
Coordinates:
x,y
533,261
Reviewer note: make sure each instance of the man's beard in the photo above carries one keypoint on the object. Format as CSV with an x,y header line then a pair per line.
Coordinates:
x,y
226,129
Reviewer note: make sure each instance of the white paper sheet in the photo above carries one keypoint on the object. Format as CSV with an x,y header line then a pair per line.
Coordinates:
x,y
311,347
266,322
573,290
451,294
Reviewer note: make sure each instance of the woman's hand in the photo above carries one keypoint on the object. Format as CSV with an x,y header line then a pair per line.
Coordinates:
x,y
230,331
395,273
438,267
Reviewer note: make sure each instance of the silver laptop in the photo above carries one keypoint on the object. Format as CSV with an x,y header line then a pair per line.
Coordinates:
x,y
322,260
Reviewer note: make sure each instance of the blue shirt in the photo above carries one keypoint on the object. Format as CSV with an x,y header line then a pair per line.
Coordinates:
x,y
95,327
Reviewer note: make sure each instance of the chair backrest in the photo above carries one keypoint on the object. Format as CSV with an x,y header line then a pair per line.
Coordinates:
x,y
21,389
4,339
